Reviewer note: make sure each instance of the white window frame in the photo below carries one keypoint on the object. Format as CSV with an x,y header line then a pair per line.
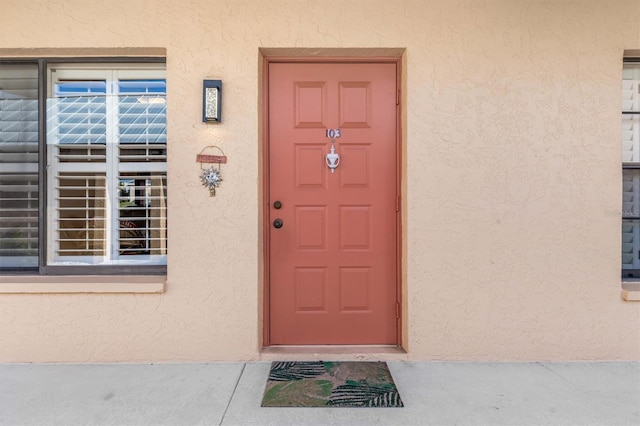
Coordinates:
x,y
111,167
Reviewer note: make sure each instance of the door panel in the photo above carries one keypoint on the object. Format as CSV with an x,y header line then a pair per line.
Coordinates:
x,y
333,272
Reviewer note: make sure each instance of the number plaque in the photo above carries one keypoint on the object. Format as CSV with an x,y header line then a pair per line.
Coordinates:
x,y
333,133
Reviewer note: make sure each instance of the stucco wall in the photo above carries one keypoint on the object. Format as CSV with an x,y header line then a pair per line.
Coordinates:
x,y
512,161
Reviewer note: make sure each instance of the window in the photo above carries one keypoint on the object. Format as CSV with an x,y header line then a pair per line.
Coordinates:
x,y
19,169
631,170
85,187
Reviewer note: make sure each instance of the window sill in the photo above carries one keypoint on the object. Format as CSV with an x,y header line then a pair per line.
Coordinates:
x,y
631,291
26,284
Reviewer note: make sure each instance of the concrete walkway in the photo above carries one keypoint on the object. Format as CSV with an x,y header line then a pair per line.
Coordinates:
x,y
434,393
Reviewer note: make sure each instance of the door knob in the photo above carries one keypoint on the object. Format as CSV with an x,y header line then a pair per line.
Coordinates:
x,y
277,205
278,223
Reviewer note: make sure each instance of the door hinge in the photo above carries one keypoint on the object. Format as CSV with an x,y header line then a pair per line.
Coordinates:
x,y
398,97
397,310
397,204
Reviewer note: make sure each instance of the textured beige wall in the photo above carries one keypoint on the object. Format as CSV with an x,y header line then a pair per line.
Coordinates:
x,y
512,160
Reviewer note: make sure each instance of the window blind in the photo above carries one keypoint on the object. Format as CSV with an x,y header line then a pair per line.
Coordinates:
x,y
80,224
19,165
631,162
142,123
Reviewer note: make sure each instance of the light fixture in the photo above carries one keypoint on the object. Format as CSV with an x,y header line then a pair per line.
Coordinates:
x,y
212,101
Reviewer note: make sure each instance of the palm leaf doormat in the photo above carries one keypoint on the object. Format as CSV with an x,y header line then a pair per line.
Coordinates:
x,y
330,384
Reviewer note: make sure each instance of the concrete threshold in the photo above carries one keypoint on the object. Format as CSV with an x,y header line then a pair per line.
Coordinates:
x,y
334,353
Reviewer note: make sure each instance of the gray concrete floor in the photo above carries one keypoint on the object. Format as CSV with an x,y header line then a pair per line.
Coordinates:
x,y
434,393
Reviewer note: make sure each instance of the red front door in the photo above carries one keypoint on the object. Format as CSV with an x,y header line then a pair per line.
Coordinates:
x,y
333,237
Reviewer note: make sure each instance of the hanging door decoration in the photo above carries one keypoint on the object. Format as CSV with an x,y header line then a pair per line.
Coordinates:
x,y
211,176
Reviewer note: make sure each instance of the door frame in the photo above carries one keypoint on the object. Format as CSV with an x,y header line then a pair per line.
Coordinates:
x,y
264,202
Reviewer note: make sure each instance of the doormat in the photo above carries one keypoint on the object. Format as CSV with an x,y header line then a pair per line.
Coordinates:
x,y
330,384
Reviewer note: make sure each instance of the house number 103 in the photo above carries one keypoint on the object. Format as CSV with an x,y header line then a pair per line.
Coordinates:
x,y
333,133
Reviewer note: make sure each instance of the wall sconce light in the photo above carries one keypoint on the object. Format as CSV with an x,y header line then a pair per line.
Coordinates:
x,y
212,101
